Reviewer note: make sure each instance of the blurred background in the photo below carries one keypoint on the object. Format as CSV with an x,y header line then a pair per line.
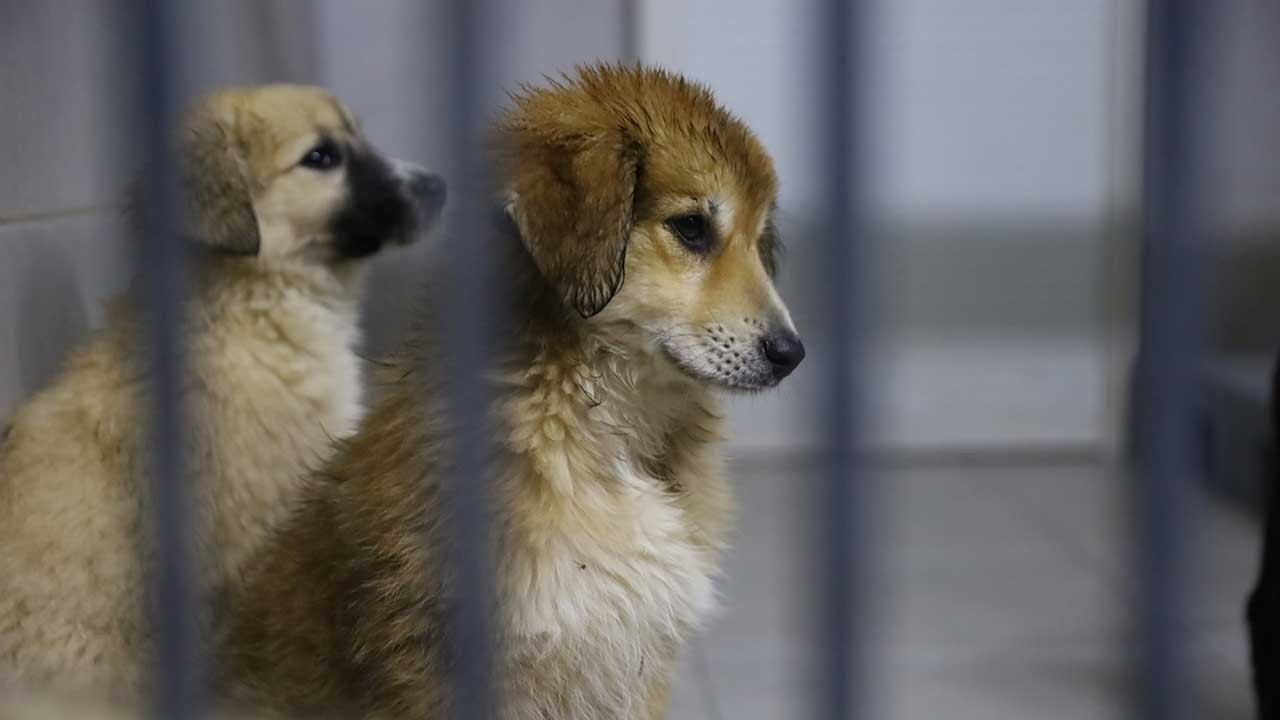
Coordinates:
x,y
1003,169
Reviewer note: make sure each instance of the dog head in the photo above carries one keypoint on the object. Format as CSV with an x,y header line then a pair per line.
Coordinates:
x,y
282,170
644,203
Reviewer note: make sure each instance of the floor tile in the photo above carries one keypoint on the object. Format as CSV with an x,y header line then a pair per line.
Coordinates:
x,y
1002,593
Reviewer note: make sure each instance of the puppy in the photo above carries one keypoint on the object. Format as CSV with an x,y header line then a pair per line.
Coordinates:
x,y
286,199
640,261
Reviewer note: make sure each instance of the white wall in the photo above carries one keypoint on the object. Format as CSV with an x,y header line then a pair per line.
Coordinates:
x,y
990,177
62,246
991,122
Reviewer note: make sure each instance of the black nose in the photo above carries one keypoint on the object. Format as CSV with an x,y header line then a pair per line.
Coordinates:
x,y
429,191
784,350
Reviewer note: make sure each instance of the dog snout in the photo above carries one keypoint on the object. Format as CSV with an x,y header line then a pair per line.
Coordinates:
x,y
426,189
784,350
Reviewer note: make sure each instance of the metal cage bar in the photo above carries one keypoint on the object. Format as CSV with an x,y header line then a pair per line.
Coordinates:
x,y
1167,369
841,497
161,261
471,321
629,32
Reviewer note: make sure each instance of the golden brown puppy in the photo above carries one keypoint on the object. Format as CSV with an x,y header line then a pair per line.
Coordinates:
x,y
642,286
286,197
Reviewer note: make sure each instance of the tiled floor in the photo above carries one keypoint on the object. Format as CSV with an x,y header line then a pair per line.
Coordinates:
x,y
1000,595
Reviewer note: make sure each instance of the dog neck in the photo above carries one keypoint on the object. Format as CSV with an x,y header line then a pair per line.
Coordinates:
x,y
568,381
338,284
599,402
598,387
304,306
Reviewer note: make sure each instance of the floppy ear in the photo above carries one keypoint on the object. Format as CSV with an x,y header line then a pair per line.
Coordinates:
x,y
219,196
573,200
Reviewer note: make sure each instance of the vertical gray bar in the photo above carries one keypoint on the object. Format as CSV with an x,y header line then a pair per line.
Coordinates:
x,y
471,315
842,495
161,262
1167,372
630,47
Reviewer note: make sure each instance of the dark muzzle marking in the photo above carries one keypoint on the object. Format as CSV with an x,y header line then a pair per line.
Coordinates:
x,y
377,210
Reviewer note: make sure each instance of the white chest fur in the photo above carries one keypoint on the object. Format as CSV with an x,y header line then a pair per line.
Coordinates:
x,y
605,567
611,559
279,382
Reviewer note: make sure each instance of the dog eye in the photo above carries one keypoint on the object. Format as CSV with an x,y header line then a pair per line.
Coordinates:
x,y
324,156
692,230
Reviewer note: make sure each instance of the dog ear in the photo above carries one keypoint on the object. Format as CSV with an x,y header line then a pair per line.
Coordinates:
x,y
219,195
573,200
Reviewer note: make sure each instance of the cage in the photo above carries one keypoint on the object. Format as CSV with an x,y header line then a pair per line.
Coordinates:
x,y
1023,470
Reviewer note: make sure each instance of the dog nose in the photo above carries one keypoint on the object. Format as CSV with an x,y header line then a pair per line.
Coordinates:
x,y
784,351
425,189
429,191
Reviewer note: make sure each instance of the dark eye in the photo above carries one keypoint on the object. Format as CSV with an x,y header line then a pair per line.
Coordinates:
x,y
692,231
324,156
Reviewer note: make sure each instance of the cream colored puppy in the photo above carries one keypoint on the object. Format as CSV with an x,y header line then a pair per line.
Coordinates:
x,y
285,200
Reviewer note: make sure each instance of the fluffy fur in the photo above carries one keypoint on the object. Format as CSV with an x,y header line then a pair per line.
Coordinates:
x,y
270,332
611,506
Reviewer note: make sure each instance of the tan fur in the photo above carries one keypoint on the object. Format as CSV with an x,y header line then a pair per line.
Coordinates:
x,y
611,506
270,333
25,704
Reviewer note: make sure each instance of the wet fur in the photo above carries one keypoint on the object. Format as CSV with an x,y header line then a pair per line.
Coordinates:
x,y
270,332
608,488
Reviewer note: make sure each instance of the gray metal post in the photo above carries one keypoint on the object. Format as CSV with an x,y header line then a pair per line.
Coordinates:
x,y
473,313
630,31
1168,361
842,497
161,261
